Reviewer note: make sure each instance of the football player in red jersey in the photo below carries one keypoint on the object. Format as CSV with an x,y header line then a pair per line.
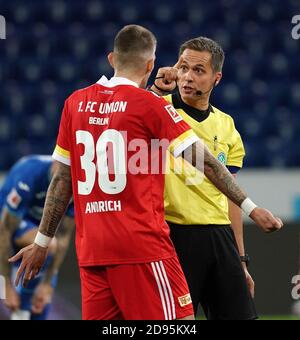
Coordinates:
x,y
128,265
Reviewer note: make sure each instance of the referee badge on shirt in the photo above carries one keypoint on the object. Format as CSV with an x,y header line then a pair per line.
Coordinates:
x,y
185,300
222,158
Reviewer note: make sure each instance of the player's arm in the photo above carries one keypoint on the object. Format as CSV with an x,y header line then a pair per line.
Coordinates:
x,y
44,292
236,218
218,174
8,225
57,200
63,237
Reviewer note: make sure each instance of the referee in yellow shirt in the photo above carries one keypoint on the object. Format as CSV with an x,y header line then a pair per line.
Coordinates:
x,y
206,229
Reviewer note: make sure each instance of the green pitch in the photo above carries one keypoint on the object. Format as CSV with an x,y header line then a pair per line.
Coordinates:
x,y
279,317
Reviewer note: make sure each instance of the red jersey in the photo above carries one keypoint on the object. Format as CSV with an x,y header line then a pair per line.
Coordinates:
x,y
108,135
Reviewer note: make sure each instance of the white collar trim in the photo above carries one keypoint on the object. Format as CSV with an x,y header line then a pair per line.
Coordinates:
x,y
115,81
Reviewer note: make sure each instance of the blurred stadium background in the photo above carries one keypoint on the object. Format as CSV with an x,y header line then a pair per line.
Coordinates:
x,y
54,47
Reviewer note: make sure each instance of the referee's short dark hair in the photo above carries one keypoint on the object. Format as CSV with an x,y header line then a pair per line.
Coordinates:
x,y
202,44
134,45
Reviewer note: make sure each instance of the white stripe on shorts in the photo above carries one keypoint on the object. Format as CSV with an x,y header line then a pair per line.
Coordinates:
x,y
169,289
160,291
165,290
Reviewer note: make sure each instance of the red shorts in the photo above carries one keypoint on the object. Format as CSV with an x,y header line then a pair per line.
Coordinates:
x,y
148,291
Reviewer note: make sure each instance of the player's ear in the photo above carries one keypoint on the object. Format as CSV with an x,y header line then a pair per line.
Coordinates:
x,y
150,65
218,78
110,58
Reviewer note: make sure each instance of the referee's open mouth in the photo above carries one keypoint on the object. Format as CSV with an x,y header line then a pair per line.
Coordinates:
x,y
188,90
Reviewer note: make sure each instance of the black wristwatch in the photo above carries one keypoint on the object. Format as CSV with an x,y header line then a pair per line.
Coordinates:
x,y
246,259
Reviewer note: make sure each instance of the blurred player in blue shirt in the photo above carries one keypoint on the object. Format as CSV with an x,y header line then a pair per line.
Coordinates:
x,y
22,199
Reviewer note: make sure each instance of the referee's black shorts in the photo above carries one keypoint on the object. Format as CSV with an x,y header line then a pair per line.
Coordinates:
x,y
212,266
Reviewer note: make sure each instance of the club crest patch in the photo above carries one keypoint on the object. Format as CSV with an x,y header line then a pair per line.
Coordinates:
x,y
222,158
14,199
185,300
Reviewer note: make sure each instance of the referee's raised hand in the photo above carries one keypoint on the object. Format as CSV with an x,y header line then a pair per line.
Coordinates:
x,y
166,78
266,220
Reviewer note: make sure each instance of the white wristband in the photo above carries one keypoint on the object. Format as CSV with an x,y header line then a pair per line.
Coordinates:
x,y
248,206
42,240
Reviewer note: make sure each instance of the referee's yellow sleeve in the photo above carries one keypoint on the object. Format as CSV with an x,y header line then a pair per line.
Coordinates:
x,y
236,151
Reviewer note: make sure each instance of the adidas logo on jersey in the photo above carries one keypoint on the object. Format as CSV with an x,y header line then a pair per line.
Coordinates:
x,y
108,92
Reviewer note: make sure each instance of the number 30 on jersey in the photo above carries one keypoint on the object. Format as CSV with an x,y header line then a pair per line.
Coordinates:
x,y
99,148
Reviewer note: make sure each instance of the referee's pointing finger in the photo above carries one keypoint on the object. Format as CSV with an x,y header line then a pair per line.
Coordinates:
x,y
179,62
